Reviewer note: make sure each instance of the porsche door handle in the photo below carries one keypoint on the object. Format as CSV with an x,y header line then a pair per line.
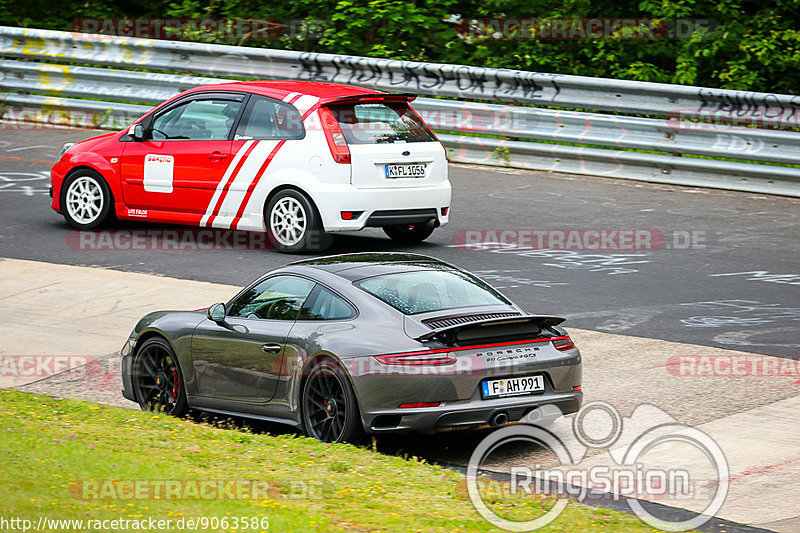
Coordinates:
x,y
271,347
215,156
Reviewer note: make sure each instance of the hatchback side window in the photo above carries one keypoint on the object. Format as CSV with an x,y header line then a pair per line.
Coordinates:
x,y
265,118
275,298
197,120
325,305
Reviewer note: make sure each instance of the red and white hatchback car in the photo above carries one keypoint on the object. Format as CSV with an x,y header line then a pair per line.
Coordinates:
x,y
295,159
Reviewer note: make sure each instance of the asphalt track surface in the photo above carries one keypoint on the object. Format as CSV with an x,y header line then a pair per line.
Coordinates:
x,y
726,275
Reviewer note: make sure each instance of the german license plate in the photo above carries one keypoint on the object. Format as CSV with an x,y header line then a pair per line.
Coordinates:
x,y
500,388
416,170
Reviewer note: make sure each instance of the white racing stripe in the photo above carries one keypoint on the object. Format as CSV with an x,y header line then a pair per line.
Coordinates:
x,y
237,191
223,181
241,183
305,102
288,97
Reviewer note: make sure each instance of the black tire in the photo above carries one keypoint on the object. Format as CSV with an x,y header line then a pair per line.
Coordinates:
x,y
293,223
410,233
329,407
86,200
158,383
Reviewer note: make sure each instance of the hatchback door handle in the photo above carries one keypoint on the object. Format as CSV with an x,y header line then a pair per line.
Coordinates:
x,y
217,155
272,347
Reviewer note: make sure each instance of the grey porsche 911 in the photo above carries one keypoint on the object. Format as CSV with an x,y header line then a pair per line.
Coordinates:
x,y
356,344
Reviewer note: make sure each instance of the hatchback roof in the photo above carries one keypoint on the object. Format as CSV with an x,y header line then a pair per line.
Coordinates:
x,y
326,92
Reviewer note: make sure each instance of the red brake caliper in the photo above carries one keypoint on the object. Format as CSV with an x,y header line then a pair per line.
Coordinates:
x,y
176,384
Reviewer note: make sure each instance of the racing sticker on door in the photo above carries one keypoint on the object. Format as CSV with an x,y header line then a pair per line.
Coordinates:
x,y
158,171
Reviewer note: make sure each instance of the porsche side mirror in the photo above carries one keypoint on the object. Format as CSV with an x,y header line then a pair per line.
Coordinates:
x,y
216,312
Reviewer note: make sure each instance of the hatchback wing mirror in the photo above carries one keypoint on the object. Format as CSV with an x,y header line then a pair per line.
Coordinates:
x,y
137,132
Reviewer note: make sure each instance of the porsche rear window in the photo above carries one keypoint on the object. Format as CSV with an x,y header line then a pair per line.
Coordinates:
x,y
430,290
379,123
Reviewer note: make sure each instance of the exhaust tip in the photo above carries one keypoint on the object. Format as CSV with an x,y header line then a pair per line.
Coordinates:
x,y
498,419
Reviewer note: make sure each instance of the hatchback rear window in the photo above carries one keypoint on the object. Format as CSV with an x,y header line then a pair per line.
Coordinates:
x,y
378,123
430,290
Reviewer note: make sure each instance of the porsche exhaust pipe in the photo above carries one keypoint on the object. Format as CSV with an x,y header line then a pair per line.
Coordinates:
x,y
498,419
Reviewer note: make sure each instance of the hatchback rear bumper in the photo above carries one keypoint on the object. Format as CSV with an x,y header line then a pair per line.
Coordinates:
x,y
379,219
381,206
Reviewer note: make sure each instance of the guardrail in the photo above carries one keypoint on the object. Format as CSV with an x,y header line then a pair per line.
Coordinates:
x,y
677,140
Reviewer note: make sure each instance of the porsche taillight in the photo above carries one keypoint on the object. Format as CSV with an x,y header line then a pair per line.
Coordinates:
x,y
562,343
432,357
333,134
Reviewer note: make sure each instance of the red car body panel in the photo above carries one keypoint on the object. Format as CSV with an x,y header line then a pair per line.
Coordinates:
x,y
96,153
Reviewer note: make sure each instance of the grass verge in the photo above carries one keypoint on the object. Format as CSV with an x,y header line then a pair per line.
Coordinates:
x,y
73,460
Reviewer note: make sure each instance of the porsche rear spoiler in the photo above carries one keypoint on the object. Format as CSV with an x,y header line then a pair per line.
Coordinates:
x,y
371,98
449,333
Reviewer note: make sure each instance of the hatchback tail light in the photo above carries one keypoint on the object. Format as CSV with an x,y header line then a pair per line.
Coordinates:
x,y
350,215
563,343
333,134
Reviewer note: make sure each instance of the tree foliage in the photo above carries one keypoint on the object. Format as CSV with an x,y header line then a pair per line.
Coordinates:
x,y
753,45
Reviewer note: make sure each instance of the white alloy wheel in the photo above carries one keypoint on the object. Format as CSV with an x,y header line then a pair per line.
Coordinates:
x,y
85,200
288,221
